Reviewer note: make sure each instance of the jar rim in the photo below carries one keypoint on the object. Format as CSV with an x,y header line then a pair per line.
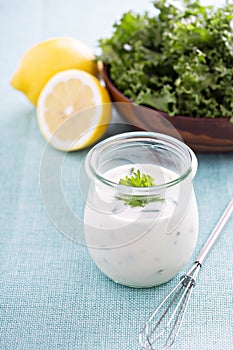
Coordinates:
x,y
91,159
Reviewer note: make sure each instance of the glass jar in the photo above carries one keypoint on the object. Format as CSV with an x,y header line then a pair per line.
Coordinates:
x,y
141,236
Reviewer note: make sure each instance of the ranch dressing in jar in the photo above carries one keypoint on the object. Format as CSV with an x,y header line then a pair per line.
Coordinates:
x,y
141,236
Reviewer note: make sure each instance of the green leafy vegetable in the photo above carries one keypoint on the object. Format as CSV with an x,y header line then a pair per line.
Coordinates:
x,y
138,179
179,61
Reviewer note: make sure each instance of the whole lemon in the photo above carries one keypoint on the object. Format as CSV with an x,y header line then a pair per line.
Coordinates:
x,y
47,58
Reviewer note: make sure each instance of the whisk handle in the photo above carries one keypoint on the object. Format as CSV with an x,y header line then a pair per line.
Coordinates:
x,y
215,233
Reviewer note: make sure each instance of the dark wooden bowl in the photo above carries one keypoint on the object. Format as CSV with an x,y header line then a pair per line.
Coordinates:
x,y
201,134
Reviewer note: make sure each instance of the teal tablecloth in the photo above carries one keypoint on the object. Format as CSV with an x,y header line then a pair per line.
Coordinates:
x,y
51,294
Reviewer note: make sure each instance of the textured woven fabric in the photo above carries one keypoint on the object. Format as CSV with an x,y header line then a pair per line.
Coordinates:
x,y
52,296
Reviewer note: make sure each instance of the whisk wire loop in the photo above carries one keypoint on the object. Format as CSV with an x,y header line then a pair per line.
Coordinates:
x,y
175,305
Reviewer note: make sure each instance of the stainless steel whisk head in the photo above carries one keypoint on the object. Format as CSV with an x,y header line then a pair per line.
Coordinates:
x,y
162,328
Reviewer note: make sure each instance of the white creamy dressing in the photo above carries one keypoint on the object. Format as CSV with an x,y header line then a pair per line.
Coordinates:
x,y
141,246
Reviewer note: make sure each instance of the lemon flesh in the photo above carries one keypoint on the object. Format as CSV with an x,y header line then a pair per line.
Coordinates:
x,y
47,58
73,110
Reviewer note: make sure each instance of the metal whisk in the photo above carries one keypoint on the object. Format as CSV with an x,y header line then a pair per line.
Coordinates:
x,y
164,324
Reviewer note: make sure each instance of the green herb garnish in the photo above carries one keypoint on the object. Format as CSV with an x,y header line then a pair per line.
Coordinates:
x,y
138,179
179,61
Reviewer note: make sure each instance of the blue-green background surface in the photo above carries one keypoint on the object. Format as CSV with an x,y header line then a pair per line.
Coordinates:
x,y
51,294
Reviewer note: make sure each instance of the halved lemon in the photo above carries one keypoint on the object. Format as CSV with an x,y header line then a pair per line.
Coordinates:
x,y
73,110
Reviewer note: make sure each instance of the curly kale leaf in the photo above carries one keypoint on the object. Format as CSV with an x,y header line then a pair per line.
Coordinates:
x,y
179,61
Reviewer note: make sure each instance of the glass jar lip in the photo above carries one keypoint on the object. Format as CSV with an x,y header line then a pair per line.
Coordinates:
x,y
91,158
